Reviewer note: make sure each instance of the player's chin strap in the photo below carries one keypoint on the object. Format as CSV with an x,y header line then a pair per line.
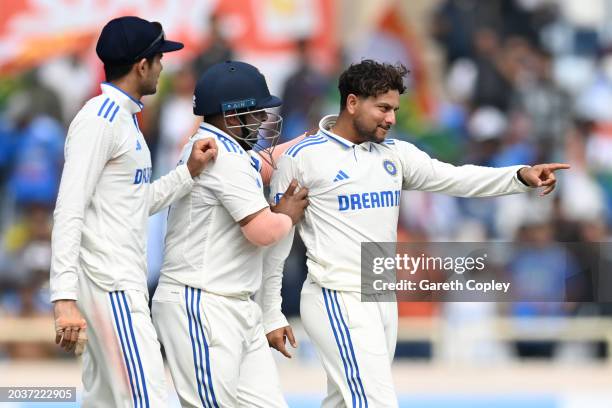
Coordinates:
x,y
261,136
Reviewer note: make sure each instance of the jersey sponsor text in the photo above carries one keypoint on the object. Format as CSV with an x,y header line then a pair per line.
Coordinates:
x,y
373,199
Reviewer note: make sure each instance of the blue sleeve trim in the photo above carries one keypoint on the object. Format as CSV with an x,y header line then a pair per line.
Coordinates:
x,y
102,107
114,113
303,142
230,145
311,143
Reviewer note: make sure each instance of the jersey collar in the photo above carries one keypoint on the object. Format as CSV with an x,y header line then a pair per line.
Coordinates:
x,y
328,122
121,97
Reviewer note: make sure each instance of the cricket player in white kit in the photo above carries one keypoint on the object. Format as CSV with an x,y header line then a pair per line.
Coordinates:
x,y
98,275
355,177
210,327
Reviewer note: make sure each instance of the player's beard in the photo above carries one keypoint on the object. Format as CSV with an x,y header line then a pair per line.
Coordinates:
x,y
367,133
149,88
247,136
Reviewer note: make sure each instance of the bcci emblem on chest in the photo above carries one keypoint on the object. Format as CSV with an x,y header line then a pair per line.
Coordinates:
x,y
390,167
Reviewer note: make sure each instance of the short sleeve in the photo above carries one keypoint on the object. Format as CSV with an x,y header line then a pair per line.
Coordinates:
x,y
236,185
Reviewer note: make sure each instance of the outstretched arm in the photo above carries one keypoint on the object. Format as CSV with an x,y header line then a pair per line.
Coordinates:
x,y
421,172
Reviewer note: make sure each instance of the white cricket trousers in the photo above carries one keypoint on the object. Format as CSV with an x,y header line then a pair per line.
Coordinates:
x,y
122,362
355,341
216,349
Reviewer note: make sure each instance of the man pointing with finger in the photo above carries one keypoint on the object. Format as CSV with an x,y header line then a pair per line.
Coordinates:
x,y
355,176
541,175
98,272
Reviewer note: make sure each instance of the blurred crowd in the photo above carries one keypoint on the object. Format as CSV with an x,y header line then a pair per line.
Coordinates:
x,y
525,82
520,82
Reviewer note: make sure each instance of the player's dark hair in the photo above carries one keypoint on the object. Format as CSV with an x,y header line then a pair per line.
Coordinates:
x,y
116,72
371,78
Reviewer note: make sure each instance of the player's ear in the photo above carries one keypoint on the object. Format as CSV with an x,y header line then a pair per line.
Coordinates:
x,y
142,66
352,101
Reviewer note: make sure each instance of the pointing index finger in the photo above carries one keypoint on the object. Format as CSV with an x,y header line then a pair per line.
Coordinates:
x,y
558,166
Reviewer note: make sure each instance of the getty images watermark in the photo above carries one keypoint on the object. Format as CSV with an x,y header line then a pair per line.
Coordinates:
x,y
476,272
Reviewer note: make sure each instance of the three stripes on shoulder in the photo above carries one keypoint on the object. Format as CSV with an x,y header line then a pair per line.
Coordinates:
x,y
108,110
315,140
308,141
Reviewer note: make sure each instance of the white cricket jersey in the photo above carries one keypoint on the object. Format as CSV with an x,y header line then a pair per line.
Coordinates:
x,y
105,198
205,247
354,192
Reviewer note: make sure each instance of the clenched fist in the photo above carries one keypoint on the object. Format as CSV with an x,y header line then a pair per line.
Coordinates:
x,y
202,152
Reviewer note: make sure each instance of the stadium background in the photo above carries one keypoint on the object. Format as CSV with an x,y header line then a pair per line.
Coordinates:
x,y
495,82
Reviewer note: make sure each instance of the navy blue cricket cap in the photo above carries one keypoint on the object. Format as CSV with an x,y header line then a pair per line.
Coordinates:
x,y
232,85
126,40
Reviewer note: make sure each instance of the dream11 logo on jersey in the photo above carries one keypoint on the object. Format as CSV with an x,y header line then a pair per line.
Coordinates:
x,y
143,175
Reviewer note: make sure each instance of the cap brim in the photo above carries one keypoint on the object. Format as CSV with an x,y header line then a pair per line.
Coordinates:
x,y
270,102
169,46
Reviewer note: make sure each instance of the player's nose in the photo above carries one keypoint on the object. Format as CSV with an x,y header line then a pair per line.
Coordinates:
x,y
390,118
